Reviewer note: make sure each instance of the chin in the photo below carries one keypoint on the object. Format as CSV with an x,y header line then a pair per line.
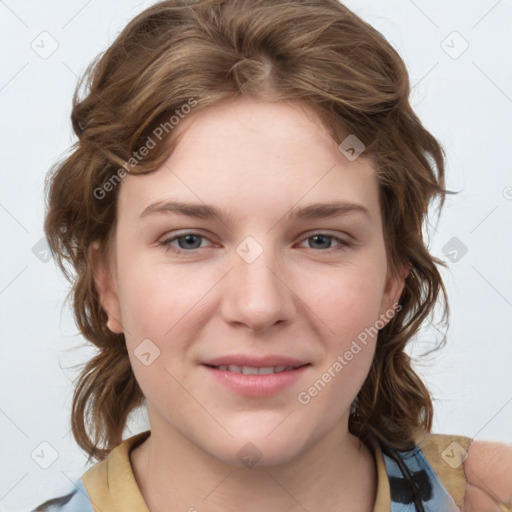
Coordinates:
x,y
258,449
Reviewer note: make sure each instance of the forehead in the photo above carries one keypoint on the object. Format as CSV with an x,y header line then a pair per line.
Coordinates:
x,y
248,153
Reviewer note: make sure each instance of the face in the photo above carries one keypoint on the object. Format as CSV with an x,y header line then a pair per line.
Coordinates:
x,y
254,323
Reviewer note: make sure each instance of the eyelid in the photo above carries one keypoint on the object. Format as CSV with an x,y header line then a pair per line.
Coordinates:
x,y
327,232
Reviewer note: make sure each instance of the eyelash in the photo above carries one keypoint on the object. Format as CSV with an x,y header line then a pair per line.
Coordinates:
x,y
166,243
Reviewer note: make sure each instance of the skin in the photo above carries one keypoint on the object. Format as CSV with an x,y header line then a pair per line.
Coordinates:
x,y
488,470
302,297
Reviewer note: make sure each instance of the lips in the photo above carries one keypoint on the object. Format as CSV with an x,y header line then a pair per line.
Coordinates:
x,y
252,370
256,376
270,361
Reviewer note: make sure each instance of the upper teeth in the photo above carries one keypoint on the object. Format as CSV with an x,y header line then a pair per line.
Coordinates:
x,y
250,370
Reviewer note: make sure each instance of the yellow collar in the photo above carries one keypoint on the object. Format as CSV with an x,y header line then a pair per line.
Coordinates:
x,y
112,486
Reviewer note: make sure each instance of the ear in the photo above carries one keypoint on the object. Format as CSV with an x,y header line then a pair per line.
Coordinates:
x,y
104,280
395,282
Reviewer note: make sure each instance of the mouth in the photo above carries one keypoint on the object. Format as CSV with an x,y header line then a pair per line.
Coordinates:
x,y
257,379
253,370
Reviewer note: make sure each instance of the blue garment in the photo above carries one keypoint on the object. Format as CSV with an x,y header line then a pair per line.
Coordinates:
x,y
430,491
77,500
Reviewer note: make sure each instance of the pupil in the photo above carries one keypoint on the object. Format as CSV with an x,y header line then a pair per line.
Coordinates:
x,y
189,239
316,237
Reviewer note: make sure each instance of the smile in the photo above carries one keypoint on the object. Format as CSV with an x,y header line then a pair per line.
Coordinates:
x,y
251,370
255,381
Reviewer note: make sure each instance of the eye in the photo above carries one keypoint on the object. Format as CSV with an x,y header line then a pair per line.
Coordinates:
x,y
190,242
324,239
187,242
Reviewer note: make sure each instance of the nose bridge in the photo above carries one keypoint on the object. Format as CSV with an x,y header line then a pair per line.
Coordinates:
x,y
256,295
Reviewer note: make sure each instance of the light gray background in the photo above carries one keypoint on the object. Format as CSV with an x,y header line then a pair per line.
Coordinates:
x,y
464,99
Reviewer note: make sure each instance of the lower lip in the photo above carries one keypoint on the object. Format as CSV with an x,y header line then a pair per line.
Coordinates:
x,y
257,385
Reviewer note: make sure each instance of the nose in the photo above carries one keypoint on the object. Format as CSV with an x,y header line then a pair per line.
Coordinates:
x,y
256,293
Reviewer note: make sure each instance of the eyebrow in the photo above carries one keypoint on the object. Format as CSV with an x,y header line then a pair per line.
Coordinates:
x,y
204,211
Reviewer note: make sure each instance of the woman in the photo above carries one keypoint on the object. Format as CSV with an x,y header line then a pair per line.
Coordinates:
x,y
273,369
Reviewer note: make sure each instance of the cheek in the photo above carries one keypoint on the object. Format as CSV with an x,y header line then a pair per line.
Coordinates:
x,y
349,340
155,298
347,300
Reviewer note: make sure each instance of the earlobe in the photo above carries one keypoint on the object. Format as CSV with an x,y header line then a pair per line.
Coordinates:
x,y
105,286
398,284
395,283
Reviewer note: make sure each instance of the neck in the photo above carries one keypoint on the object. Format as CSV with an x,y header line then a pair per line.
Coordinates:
x,y
336,473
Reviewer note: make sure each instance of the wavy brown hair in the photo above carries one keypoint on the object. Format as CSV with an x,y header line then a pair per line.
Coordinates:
x,y
211,51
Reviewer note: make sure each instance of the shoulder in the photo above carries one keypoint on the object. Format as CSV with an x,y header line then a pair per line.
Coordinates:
x,y
76,500
488,470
